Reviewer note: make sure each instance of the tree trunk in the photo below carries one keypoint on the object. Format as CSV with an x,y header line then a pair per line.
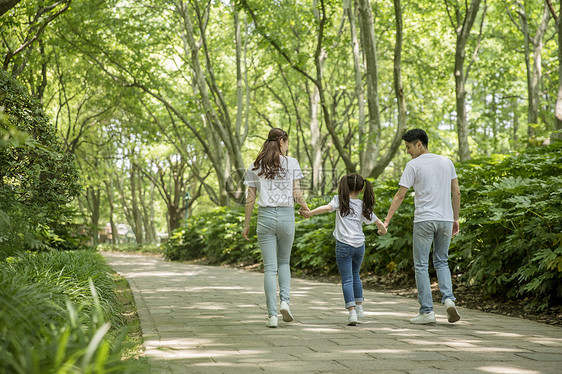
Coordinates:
x,y
371,140
109,193
136,213
400,98
359,92
463,33
558,111
6,5
93,195
315,140
219,118
533,69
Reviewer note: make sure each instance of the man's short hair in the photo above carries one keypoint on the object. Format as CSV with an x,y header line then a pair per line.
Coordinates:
x,y
416,134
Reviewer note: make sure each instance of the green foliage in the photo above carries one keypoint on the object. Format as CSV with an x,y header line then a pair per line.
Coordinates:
x,y
37,179
56,313
215,236
510,240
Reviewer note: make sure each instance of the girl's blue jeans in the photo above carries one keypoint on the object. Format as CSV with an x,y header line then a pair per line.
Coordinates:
x,y
276,232
349,261
439,233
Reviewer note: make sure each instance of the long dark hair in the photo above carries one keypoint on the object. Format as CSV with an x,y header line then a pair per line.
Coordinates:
x,y
354,183
269,159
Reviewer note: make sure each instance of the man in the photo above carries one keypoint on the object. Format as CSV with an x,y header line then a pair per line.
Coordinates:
x,y
435,221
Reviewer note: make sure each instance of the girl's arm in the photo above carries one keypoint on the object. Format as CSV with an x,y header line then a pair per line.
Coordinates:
x,y
381,226
319,210
250,200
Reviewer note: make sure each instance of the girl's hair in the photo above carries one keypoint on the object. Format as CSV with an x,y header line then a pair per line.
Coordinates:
x,y
269,160
354,183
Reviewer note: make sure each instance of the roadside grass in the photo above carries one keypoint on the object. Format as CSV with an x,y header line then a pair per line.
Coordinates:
x,y
66,312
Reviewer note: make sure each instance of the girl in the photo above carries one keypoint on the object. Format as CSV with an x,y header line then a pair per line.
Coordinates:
x,y
350,240
275,178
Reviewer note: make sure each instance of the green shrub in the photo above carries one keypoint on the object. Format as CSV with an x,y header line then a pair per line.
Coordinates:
x,y
56,314
510,242
215,236
37,179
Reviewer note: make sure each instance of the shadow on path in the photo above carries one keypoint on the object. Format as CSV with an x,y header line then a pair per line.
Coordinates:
x,y
203,319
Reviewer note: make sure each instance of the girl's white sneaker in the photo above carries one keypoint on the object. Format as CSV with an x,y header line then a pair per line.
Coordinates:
x,y
352,318
359,310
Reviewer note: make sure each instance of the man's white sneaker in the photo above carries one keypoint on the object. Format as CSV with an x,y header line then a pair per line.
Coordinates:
x,y
352,318
286,312
424,318
359,310
452,312
272,322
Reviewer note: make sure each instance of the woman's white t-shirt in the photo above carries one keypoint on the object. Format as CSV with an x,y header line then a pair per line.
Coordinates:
x,y
349,229
278,191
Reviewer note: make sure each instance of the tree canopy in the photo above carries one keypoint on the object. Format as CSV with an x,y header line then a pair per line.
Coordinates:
x,y
160,100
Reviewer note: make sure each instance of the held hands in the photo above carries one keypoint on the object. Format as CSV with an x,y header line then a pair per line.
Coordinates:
x,y
384,229
305,212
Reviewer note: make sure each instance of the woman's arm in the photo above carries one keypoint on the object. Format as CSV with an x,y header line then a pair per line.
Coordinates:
x,y
250,200
298,196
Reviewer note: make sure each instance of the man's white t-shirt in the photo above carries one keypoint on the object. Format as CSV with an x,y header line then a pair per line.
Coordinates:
x,y
349,229
278,191
431,176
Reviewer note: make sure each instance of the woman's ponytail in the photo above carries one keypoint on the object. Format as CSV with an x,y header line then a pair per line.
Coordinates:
x,y
269,159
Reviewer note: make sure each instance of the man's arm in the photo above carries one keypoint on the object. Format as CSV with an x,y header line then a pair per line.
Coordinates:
x,y
396,202
456,198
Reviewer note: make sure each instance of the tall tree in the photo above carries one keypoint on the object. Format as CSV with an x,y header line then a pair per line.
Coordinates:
x,y
533,50
377,163
462,21
558,108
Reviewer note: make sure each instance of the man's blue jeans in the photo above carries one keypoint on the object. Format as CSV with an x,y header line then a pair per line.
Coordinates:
x,y
439,233
276,232
349,261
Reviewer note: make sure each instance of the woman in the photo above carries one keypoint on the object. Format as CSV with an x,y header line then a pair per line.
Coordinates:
x,y
274,178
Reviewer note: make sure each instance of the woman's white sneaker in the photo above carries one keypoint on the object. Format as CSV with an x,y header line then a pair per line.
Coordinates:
x,y
286,312
272,322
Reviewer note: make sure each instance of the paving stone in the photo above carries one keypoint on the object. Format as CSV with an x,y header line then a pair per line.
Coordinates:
x,y
202,319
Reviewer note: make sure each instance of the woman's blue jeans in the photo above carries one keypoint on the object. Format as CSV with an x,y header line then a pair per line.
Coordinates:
x,y
439,233
349,261
276,232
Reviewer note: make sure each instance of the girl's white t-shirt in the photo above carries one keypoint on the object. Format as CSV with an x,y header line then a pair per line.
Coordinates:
x,y
278,191
349,229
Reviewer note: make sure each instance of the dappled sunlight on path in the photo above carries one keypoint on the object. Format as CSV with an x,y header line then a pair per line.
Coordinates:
x,y
202,319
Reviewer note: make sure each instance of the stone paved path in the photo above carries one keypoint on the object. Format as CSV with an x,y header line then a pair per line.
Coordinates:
x,y
201,319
